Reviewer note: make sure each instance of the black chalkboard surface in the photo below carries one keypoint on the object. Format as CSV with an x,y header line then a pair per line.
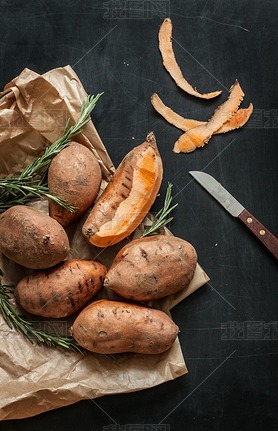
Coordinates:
x,y
228,327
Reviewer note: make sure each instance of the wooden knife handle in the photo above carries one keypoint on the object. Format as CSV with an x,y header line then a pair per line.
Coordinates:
x,y
261,232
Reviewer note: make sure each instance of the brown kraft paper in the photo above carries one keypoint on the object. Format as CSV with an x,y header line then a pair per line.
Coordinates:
x,y
36,378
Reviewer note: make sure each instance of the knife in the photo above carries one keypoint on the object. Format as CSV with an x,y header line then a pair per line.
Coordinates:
x,y
237,210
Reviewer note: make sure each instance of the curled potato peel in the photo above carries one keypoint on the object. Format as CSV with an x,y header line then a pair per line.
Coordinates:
x,y
171,65
240,117
200,135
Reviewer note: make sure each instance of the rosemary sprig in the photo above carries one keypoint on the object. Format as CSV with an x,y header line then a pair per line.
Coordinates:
x,y
69,133
160,218
15,321
19,190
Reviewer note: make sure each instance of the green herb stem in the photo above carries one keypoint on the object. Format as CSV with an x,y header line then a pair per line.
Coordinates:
x,y
15,321
161,217
20,190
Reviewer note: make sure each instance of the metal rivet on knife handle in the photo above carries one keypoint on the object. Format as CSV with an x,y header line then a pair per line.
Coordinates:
x,y
260,231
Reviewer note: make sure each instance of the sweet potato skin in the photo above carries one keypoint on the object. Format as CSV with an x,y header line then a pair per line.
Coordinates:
x,y
74,175
152,267
128,196
116,327
62,290
31,238
171,65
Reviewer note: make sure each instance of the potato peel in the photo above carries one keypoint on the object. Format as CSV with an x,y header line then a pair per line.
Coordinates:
x,y
240,117
238,120
200,135
171,116
170,63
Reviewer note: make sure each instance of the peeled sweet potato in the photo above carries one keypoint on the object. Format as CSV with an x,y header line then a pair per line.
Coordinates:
x,y
116,327
127,198
152,267
74,175
32,239
62,290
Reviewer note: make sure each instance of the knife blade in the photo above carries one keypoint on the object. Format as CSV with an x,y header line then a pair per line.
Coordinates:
x,y
212,186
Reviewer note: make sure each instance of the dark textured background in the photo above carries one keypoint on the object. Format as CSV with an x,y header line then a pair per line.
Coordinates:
x,y
222,40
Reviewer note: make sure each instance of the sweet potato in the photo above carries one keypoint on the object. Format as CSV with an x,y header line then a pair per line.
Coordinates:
x,y
152,267
74,175
127,198
62,290
116,327
32,239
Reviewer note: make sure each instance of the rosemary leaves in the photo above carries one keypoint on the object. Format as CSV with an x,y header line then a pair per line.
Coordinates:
x,y
16,321
161,217
20,190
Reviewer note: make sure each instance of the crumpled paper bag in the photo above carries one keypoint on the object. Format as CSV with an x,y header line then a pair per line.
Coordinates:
x,y
36,378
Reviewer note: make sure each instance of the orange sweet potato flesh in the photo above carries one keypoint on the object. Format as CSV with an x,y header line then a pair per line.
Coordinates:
x,y
239,118
62,290
74,175
117,327
31,238
127,198
152,268
200,135
170,63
